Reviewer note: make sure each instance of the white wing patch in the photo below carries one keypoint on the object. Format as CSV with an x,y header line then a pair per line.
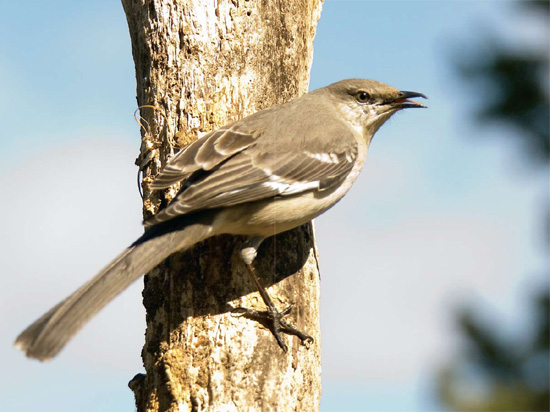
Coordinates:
x,y
280,186
323,157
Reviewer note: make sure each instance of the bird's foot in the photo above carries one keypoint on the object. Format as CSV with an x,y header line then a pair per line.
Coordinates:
x,y
273,320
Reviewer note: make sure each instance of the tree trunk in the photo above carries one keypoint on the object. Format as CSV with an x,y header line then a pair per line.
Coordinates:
x,y
201,65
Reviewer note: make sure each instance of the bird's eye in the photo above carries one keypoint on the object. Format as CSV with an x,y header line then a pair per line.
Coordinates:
x,y
362,97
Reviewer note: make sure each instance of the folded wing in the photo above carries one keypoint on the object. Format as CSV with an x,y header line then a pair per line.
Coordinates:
x,y
250,174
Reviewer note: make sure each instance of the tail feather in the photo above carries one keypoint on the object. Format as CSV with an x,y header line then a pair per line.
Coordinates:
x,y
50,333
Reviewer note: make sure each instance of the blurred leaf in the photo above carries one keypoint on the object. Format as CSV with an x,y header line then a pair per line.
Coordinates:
x,y
494,375
514,94
542,6
488,349
542,341
512,86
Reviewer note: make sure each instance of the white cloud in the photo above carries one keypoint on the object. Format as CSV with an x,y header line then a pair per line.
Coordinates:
x,y
66,213
388,293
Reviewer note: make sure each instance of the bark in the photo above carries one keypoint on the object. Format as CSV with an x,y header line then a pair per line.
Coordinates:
x,y
200,65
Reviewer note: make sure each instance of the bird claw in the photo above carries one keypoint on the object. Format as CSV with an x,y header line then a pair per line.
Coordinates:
x,y
273,320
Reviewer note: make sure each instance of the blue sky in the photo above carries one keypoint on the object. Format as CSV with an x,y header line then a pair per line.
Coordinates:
x,y
444,214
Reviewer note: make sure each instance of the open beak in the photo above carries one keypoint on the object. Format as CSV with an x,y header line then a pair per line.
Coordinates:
x,y
403,102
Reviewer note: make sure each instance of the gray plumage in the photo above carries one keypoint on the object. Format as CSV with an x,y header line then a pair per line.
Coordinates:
x,y
265,174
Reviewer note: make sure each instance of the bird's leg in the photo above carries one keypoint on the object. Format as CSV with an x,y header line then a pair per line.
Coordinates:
x,y
271,318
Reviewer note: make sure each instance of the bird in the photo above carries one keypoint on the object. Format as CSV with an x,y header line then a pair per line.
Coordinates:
x,y
262,175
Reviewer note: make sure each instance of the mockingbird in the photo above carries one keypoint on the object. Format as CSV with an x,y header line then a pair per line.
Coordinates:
x,y
265,174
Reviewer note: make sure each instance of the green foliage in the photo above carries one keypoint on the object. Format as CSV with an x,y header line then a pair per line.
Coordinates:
x,y
515,87
495,373
499,375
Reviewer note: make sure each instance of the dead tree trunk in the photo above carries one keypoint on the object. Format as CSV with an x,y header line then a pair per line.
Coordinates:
x,y
200,65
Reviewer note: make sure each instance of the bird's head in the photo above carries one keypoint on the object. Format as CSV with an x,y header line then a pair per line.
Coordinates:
x,y
367,104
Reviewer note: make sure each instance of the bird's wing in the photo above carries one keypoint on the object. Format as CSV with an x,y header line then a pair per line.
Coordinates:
x,y
205,154
256,174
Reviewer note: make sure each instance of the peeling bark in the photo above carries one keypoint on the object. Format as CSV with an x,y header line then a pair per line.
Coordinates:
x,y
201,65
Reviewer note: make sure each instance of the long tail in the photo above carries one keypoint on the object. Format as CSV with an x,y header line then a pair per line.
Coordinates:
x,y
49,334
